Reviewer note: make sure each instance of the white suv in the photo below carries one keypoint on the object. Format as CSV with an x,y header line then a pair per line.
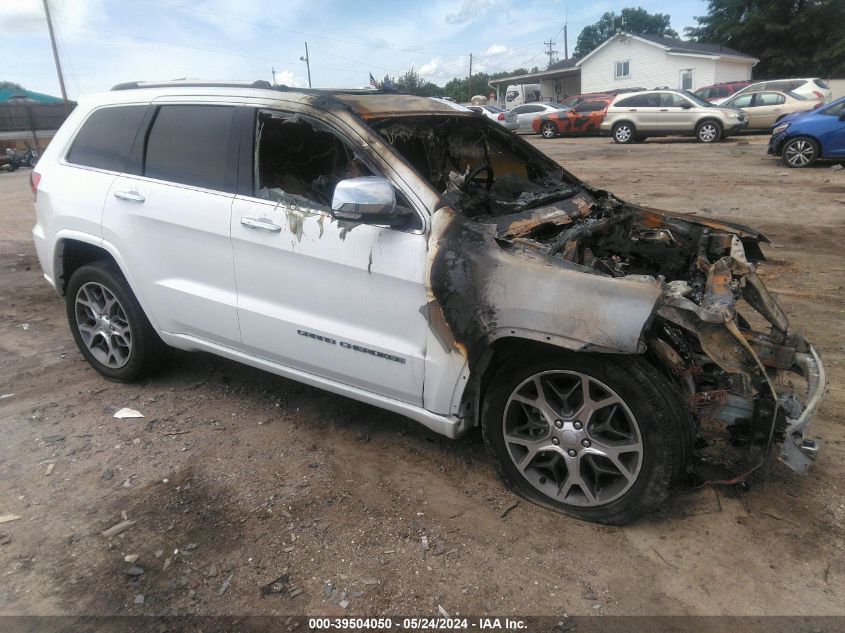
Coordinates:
x,y
422,259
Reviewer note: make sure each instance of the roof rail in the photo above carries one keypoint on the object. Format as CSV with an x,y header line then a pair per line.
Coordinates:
x,y
182,83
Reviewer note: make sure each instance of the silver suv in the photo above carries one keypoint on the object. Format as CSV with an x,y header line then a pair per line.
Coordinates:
x,y
634,117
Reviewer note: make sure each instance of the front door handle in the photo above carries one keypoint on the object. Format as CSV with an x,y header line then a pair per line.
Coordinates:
x,y
130,196
264,224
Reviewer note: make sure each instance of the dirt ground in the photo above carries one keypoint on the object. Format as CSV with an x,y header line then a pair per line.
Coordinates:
x,y
235,478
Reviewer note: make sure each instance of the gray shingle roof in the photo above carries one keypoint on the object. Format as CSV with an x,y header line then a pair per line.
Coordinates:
x,y
683,46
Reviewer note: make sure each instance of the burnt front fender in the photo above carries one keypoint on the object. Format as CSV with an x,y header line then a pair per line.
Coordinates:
x,y
487,289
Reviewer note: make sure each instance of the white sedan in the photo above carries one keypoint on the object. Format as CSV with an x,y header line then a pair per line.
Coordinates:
x,y
495,113
523,115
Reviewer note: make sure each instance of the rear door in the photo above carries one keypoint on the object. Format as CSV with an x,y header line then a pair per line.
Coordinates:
x,y
340,301
99,152
170,220
642,110
676,113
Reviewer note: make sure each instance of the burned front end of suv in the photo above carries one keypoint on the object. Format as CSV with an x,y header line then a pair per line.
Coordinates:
x,y
522,249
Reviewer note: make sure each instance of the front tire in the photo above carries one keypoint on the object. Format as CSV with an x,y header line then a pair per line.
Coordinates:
x,y
108,324
708,132
548,129
801,151
596,437
623,133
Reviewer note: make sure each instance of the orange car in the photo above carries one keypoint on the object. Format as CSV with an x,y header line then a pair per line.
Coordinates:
x,y
584,118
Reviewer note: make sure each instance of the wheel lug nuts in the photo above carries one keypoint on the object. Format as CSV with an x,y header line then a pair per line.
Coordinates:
x,y
555,441
585,443
572,452
559,424
578,426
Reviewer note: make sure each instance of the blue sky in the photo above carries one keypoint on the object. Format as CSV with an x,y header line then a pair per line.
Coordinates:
x,y
104,42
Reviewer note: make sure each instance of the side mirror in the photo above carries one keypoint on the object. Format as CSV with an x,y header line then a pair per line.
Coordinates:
x,y
368,200
842,115
686,105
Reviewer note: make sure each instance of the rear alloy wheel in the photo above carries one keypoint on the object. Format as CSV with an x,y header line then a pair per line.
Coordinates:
x,y
599,438
709,132
800,152
108,324
623,133
548,129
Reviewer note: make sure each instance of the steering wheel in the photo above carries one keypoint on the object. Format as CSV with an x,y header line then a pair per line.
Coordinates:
x,y
477,170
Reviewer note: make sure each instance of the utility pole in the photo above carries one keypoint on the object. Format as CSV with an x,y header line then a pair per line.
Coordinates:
x,y
55,53
469,80
565,43
551,52
307,61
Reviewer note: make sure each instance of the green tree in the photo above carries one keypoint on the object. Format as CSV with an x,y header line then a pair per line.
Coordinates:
x,y
799,38
10,85
630,20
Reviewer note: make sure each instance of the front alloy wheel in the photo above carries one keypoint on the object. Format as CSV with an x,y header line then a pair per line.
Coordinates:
x,y
800,152
572,438
709,132
601,437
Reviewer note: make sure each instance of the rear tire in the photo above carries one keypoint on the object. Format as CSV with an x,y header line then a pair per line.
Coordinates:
x,y
108,324
610,457
799,152
623,133
548,129
708,132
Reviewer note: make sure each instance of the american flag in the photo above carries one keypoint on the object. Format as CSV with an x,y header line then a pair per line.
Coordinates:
x,y
373,81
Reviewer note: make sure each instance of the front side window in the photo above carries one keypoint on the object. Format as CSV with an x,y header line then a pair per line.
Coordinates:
x,y
298,160
623,69
671,100
742,101
106,137
188,145
510,95
835,110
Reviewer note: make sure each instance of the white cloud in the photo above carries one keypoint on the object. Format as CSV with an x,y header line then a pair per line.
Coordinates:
x,y
430,68
496,49
287,78
470,10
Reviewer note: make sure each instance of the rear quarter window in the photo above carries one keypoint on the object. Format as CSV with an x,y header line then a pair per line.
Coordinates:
x,y
106,137
188,144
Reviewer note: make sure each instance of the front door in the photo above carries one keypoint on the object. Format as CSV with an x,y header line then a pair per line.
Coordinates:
x,y
676,113
336,300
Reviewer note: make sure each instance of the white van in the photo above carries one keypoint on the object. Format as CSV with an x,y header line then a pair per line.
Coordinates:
x,y
517,94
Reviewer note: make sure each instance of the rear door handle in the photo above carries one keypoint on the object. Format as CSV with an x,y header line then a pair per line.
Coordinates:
x,y
264,224
632,109
664,109
130,196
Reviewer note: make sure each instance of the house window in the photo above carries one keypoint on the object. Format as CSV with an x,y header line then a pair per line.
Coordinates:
x,y
686,79
623,69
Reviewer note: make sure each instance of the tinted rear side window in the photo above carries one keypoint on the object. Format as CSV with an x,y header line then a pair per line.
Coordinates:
x,y
106,138
188,144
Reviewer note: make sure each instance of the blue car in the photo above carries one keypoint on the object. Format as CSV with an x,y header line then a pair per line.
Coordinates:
x,y
805,137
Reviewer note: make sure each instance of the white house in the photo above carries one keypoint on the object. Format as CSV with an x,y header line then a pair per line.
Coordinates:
x,y
650,61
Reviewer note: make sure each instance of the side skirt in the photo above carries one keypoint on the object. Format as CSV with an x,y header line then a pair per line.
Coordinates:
x,y
450,426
